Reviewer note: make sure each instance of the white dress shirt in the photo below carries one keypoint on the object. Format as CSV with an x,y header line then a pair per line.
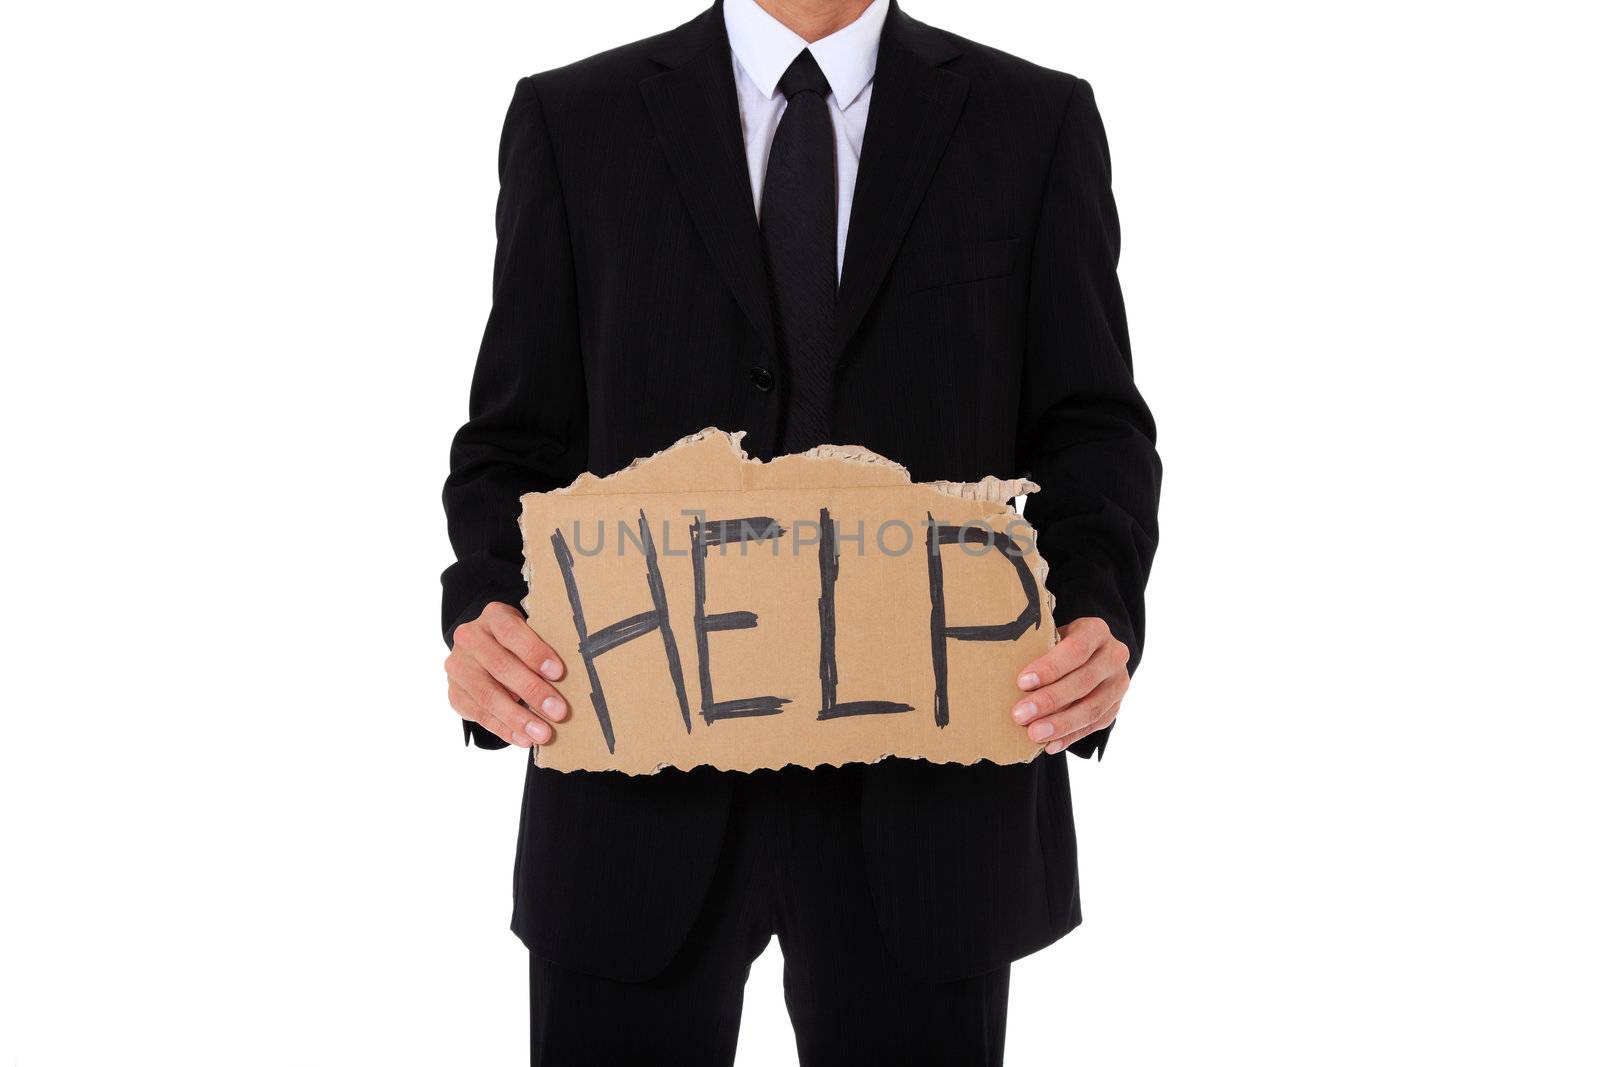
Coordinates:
x,y
763,48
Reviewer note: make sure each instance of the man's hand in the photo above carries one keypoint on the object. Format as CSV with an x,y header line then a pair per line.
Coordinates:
x,y
500,673
1075,688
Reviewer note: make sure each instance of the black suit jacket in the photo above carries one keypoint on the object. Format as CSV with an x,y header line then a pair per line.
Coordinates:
x,y
980,331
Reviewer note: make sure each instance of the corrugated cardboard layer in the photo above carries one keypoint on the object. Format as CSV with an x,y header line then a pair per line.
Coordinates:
x,y
723,664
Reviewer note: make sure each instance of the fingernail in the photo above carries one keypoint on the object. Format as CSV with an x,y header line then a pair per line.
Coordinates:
x,y
554,707
1039,731
1024,711
1053,747
1027,681
551,670
538,731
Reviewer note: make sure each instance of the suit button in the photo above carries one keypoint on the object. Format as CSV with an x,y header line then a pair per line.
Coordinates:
x,y
761,378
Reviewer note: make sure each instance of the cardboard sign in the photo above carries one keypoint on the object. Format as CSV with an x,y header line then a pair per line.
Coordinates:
x,y
821,608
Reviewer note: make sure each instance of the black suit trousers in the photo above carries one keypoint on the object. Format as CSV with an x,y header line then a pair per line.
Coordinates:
x,y
791,866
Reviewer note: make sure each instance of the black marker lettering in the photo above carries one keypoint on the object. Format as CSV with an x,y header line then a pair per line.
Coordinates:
x,y
718,533
827,614
592,646
939,535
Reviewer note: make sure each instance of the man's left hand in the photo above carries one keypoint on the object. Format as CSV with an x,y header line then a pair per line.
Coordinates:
x,y
1074,689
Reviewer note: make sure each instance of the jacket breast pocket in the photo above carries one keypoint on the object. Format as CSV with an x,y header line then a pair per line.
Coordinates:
x,y
963,263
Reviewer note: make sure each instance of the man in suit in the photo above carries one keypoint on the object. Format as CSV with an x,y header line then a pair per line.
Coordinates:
x,y
814,221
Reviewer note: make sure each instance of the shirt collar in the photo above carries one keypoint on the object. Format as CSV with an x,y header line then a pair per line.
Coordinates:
x,y
765,47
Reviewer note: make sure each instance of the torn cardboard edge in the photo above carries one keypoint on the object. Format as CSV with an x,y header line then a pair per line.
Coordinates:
x,y
708,466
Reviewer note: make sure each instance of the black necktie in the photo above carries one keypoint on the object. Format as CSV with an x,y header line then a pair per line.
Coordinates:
x,y
799,231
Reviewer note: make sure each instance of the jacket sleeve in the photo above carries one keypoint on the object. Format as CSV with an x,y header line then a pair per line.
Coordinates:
x,y
526,429
1087,437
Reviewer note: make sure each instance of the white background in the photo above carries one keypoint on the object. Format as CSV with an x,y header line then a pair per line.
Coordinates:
x,y
1350,813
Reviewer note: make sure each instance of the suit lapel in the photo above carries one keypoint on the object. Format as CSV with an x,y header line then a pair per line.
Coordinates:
x,y
914,109
696,115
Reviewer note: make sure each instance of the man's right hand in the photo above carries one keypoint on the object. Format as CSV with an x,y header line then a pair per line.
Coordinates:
x,y
500,673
